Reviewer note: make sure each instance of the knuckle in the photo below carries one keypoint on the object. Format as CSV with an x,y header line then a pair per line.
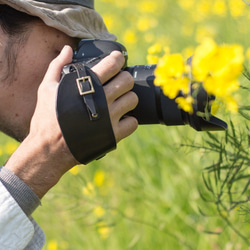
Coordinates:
x,y
127,77
134,98
116,60
135,123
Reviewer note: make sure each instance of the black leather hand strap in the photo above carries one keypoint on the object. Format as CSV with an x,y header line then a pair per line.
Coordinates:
x,y
83,114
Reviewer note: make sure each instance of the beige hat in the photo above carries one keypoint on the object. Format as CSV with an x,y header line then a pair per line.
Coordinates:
x,y
75,20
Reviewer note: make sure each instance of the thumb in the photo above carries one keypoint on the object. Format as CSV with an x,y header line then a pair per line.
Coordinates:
x,y
56,66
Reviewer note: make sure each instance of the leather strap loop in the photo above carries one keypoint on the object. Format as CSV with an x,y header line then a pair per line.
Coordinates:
x,y
86,89
83,114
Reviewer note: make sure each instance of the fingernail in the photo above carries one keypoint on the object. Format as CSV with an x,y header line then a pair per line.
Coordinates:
x,y
64,48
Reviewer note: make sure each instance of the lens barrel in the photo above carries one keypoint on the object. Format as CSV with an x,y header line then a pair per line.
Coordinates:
x,y
154,107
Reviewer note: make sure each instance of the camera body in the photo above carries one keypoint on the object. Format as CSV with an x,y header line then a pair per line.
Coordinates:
x,y
153,107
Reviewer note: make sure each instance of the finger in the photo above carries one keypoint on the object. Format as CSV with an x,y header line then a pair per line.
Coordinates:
x,y
126,127
123,105
109,66
56,66
121,84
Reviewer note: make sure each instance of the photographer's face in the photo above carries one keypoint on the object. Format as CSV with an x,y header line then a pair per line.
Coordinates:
x,y
18,93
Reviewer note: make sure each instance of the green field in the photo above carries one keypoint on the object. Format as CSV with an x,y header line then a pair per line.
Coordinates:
x,y
164,188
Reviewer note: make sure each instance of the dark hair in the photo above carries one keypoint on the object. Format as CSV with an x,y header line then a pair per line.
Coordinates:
x,y
15,24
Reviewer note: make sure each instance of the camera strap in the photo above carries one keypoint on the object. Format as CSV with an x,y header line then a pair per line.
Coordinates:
x,y
83,115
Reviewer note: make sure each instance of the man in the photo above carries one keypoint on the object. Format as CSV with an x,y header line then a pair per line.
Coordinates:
x,y
36,41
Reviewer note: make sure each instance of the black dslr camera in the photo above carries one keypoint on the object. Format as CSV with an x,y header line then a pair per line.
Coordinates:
x,y
154,107
82,110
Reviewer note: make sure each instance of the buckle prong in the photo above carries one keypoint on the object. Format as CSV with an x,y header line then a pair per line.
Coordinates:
x,y
83,81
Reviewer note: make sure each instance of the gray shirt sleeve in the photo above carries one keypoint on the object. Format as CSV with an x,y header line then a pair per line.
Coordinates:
x,y
24,196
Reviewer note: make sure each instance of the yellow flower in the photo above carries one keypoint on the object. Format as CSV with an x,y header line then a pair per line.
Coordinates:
x,y
89,190
215,105
229,62
52,245
170,75
170,66
103,229
129,37
225,61
202,60
185,103
187,52
155,49
231,104
99,178
186,5
145,23
172,87
75,170
220,87
237,8
204,7
215,67
147,6
99,211
10,147
154,53
109,21
220,8
218,68
152,59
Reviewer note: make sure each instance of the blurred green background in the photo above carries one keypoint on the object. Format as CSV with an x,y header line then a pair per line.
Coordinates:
x,y
152,193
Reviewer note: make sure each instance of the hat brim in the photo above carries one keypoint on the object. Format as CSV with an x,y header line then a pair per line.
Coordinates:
x,y
73,20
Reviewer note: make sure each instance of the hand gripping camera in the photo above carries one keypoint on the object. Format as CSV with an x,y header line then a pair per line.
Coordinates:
x,y
82,109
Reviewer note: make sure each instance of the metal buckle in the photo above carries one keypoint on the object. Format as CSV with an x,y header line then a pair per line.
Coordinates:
x,y
81,81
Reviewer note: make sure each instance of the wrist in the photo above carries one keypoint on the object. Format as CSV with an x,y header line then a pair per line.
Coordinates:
x,y
32,164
